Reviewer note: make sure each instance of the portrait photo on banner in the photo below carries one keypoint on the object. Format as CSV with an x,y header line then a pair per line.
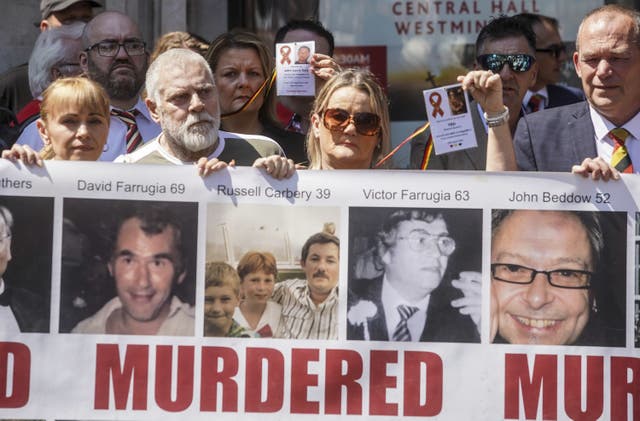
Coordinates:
x,y
278,266
26,241
414,274
558,277
128,267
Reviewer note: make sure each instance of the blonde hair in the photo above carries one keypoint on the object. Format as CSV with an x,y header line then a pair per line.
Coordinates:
x,y
367,83
239,39
79,91
221,274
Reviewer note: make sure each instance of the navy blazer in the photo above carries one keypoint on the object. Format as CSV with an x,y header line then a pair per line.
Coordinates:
x,y
555,139
563,95
444,322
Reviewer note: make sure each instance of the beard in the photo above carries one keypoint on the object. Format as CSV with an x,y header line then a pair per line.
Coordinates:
x,y
196,133
118,86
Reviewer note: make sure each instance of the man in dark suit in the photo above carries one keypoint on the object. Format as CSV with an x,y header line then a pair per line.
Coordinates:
x,y
506,46
20,310
410,301
581,137
551,54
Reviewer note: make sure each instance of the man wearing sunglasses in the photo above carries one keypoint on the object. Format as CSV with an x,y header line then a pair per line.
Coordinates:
x,y
411,301
551,55
598,138
505,46
543,271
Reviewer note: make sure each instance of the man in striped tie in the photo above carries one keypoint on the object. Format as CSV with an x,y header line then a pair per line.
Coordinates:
x,y
599,138
115,56
411,301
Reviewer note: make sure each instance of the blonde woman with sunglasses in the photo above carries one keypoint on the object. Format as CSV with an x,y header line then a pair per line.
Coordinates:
x,y
349,123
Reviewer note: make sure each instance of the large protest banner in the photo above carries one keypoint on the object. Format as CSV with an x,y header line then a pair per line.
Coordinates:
x,y
573,294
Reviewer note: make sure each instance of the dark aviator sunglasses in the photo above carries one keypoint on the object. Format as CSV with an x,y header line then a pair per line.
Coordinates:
x,y
495,62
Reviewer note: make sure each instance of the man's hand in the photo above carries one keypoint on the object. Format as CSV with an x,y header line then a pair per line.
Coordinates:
x,y
323,66
277,166
23,153
207,166
470,283
486,88
596,169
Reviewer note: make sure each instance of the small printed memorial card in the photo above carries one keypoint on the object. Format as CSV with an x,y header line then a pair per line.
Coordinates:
x,y
450,119
292,67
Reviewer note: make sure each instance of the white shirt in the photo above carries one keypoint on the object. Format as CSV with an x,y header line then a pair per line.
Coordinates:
x,y
115,145
604,144
8,322
391,299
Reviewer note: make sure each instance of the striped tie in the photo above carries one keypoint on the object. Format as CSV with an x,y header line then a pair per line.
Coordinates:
x,y
133,137
402,334
620,159
534,103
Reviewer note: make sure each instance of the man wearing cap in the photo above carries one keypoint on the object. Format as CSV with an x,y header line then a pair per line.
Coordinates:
x,y
14,83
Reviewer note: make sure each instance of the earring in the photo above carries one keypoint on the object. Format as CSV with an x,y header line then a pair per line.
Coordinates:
x,y
594,306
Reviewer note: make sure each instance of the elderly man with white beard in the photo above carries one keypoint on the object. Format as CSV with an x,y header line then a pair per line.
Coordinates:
x,y
182,98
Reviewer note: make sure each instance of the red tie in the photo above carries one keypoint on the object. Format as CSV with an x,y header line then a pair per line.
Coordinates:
x,y
620,159
534,103
133,137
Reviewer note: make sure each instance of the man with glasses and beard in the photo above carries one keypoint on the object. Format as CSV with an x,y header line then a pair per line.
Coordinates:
x,y
116,57
507,47
182,98
411,301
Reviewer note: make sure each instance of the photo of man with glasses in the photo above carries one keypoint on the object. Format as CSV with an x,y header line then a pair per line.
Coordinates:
x,y
545,270
413,298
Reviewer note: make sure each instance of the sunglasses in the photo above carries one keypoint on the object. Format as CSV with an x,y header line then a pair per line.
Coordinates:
x,y
554,49
337,119
495,62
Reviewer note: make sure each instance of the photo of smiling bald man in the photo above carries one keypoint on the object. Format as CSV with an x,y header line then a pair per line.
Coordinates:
x,y
552,277
145,269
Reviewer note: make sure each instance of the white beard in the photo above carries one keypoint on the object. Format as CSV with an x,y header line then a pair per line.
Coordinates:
x,y
192,136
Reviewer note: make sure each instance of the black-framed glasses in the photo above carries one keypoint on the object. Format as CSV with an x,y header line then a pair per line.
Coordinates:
x,y
495,62
554,49
133,47
419,241
337,119
561,278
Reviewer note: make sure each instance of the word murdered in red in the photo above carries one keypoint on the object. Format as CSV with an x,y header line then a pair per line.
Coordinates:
x,y
117,370
538,385
15,372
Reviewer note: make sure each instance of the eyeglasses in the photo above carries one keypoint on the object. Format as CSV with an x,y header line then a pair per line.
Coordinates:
x,y
133,47
561,278
495,62
337,120
419,241
554,49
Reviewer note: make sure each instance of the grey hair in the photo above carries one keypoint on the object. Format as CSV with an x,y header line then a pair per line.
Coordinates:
x,y
6,215
50,48
614,9
175,57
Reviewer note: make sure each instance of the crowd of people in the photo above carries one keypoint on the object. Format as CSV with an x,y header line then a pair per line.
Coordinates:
x,y
98,93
